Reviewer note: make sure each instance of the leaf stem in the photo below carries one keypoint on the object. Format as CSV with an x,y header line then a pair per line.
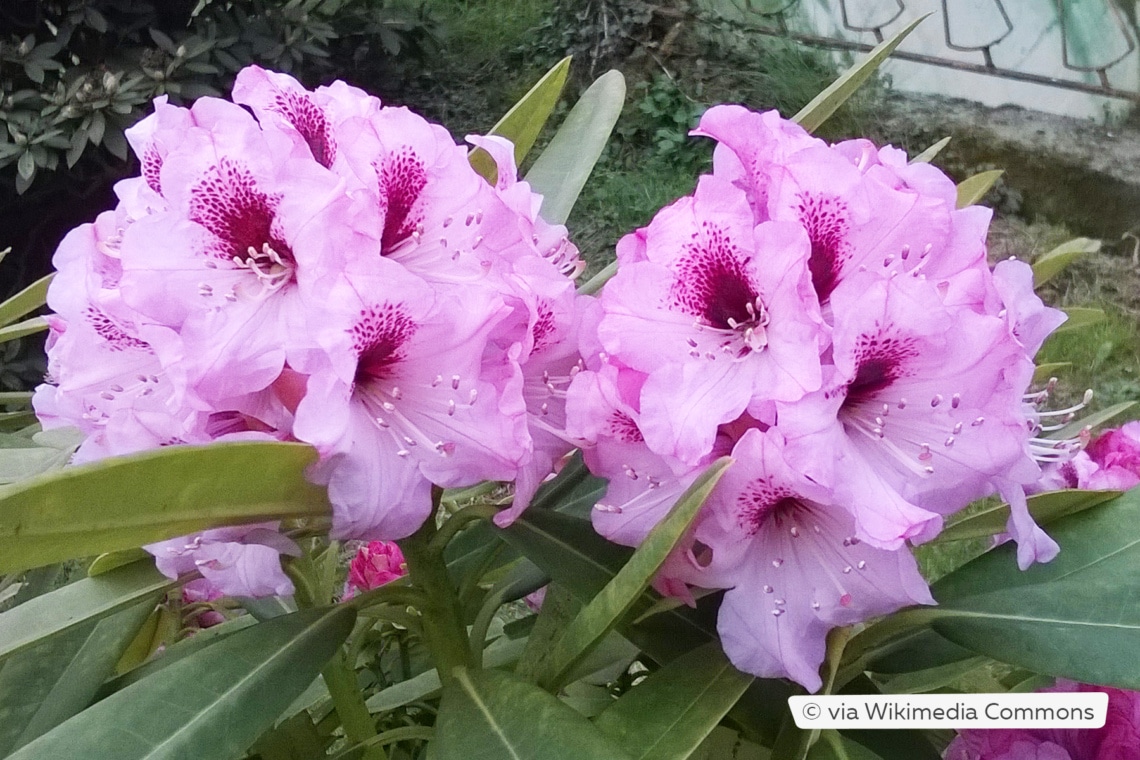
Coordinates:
x,y
458,522
444,632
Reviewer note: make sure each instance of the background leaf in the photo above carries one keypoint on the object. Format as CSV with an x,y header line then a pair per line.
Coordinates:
x,y
212,704
1048,265
667,716
126,502
26,301
1045,508
972,189
488,714
1072,617
560,173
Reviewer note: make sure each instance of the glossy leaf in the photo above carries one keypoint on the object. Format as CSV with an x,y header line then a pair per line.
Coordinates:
x,y
973,189
1072,617
603,612
25,302
490,714
43,686
823,105
214,703
667,716
83,602
929,154
571,552
560,173
1080,317
126,502
1094,420
523,123
23,329
1045,507
23,457
1048,265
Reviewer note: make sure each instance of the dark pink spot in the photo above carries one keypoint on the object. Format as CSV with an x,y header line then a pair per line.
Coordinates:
x,y
880,360
543,328
228,203
762,503
310,121
379,339
826,220
118,339
152,168
845,600
713,283
622,427
402,180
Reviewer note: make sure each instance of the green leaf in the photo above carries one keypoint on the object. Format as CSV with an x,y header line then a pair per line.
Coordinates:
x,y
43,686
1049,265
489,714
56,613
23,329
973,189
604,611
126,502
667,716
1072,617
1043,372
928,155
560,173
571,552
1080,317
214,703
523,123
1045,507
595,283
920,649
922,681
823,105
26,301
833,745
1094,420
27,457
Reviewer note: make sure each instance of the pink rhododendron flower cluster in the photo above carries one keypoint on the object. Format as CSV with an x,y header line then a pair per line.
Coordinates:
x,y
826,315
1110,462
375,563
1117,740
314,266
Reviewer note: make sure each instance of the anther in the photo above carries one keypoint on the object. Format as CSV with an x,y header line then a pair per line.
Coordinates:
x,y
955,400
455,382
936,400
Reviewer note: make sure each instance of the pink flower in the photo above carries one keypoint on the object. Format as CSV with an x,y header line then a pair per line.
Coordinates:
x,y
718,312
375,564
201,590
239,561
1119,739
1110,462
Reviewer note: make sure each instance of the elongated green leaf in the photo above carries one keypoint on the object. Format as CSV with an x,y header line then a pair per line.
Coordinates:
x,y
973,189
833,745
23,457
1043,372
595,283
26,301
667,716
603,612
1093,420
523,123
921,649
574,555
1045,508
823,105
1049,265
214,703
1080,317
922,681
43,686
489,714
54,614
23,329
126,502
1072,617
926,156
560,173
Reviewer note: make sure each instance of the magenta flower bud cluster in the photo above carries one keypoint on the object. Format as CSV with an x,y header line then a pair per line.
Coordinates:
x,y
314,266
375,563
826,315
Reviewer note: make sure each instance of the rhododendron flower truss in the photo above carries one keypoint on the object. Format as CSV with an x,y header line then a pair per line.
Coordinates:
x,y
719,312
787,550
400,400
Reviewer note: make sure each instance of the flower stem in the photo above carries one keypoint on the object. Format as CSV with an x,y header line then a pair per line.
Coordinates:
x,y
444,632
340,678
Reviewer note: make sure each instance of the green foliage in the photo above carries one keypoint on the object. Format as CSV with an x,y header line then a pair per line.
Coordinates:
x,y
74,74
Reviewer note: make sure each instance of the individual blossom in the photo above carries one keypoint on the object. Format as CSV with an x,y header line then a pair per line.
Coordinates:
x,y
717,311
1110,462
375,563
1119,739
238,561
787,550
399,400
